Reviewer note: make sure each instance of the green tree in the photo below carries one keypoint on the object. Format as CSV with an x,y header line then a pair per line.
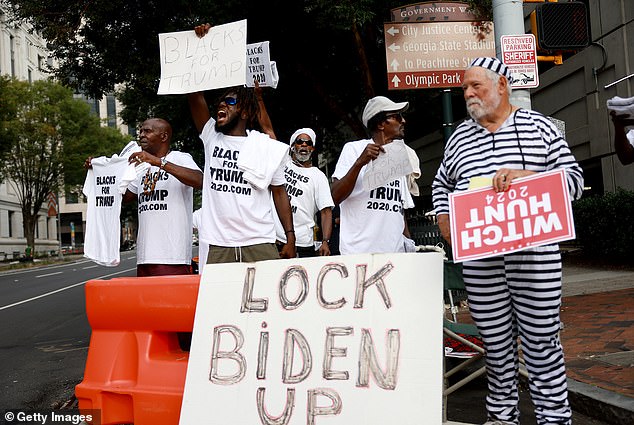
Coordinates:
x,y
330,57
47,135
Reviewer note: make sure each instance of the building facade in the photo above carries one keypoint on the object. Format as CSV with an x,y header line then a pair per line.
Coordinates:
x,y
576,93
23,55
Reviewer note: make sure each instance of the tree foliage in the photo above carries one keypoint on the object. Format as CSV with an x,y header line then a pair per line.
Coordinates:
x,y
604,225
330,57
47,135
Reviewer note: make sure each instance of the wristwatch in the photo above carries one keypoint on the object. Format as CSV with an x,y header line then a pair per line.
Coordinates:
x,y
163,162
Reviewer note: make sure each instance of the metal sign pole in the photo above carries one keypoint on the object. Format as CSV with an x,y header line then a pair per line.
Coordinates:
x,y
447,115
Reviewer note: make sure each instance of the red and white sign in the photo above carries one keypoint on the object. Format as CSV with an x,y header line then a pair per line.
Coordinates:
x,y
519,54
535,211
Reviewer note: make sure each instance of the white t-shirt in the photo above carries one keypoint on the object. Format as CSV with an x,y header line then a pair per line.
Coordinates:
x,y
234,213
165,214
309,192
203,248
103,187
371,220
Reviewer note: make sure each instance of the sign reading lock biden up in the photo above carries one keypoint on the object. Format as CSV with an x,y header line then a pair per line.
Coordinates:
x,y
336,340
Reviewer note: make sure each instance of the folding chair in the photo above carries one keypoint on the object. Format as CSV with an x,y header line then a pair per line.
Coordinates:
x,y
461,341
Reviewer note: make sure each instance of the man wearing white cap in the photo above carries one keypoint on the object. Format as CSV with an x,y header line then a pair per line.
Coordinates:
x,y
372,220
517,294
308,191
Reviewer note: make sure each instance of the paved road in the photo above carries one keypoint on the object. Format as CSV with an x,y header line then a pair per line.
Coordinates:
x,y
44,335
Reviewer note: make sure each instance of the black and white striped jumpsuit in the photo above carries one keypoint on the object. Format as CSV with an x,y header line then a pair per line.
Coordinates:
x,y
517,294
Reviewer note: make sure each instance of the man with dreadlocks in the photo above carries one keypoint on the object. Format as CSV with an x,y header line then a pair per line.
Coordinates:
x,y
244,168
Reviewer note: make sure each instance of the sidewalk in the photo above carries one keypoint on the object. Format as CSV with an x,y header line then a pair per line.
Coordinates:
x,y
598,339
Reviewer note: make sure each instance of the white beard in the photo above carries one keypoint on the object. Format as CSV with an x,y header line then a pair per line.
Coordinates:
x,y
478,108
303,157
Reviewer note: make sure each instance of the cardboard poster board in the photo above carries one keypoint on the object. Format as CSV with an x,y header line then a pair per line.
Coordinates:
x,y
260,67
389,166
535,211
190,64
326,340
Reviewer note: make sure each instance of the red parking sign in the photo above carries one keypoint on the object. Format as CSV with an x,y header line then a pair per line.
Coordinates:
x,y
519,54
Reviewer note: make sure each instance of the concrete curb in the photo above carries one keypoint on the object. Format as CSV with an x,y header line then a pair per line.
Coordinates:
x,y
601,404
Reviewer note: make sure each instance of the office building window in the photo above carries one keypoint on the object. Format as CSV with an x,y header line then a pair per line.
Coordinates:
x,y
12,48
11,215
111,111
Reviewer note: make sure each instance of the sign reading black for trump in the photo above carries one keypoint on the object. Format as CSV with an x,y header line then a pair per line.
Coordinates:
x,y
190,64
327,340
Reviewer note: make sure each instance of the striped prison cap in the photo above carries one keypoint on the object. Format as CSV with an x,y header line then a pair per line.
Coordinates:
x,y
495,65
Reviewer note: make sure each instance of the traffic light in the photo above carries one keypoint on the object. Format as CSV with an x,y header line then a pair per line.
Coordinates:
x,y
560,26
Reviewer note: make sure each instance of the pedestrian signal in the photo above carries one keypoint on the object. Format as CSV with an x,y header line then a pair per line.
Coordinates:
x,y
560,26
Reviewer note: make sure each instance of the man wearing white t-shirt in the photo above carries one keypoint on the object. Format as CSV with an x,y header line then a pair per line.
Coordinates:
x,y
308,191
165,196
244,168
165,202
237,219
372,221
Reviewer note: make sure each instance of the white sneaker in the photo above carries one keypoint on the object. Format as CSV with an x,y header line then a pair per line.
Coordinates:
x,y
498,423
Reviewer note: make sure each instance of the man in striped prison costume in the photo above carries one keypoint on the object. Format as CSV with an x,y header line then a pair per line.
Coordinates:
x,y
517,294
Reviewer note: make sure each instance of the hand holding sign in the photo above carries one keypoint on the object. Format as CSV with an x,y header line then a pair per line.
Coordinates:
x,y
535,211
389,166
260,68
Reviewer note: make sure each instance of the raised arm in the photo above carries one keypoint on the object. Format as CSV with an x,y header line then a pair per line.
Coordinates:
x,y
199,109
197,103
263,114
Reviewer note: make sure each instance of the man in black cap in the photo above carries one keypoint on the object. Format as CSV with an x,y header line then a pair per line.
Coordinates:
x,y
517,293
372,220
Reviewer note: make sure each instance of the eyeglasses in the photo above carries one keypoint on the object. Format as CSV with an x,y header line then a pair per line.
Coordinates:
x,y
231,100
398,117
299,141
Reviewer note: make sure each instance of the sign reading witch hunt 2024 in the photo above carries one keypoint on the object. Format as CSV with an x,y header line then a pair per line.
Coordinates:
x,y
535,211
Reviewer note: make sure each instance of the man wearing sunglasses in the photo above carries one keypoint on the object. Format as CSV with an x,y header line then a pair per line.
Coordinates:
x,y
372,220
237,220
308,191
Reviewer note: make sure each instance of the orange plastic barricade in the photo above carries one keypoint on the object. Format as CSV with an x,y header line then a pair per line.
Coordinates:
x,y
135,370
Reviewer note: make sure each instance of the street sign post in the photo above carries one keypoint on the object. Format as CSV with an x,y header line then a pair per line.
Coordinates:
x,y
519,54
434,55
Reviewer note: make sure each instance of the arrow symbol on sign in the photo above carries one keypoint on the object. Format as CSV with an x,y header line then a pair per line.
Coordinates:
x,y
392,31
396,80
395,64
393,47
